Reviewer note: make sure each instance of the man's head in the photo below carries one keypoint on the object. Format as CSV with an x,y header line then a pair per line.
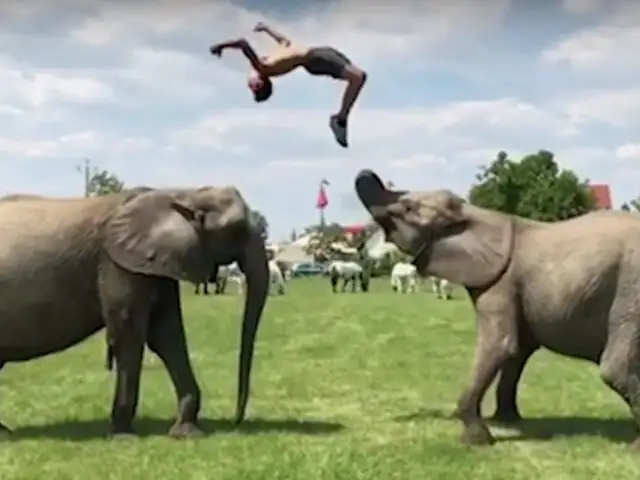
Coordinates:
x,y
261,87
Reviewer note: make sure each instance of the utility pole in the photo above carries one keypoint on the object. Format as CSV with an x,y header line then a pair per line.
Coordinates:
x,y
86,171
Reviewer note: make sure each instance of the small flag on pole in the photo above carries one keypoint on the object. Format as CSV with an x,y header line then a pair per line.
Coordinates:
x,y
323,200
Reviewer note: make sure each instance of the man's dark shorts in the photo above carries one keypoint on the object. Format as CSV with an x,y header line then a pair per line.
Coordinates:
x,y
325,61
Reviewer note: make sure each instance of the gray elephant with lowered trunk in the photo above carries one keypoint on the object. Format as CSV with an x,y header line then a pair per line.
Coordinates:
x,y
571,286
69,267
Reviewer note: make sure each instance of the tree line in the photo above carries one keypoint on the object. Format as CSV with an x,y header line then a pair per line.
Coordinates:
x,y
535,187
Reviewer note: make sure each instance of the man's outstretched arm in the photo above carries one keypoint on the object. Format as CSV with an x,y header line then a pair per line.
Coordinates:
x,y
276,35
246,49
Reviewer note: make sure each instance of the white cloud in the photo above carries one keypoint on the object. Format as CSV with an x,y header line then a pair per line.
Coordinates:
x,y
175,74
35,87
420,161
417,127
580,7
607,48
75,145
629,151
127,21
614,107
400,28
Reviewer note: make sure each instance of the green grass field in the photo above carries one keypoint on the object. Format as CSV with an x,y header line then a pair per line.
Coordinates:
x,y
347,386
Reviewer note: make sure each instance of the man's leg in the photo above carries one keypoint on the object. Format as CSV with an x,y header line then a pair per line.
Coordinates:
x,y
356,79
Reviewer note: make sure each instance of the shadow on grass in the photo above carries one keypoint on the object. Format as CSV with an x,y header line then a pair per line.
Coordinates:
x,y
79,430
545,428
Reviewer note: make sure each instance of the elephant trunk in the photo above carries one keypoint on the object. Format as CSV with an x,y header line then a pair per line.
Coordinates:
x,y
254,264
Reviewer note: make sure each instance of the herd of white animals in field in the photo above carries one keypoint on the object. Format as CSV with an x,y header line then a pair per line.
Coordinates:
x,y
404,278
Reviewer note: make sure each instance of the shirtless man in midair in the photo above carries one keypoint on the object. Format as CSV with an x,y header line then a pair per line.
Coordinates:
x,y
318,61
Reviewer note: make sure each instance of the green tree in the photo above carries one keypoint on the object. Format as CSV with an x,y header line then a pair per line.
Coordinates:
x,y
534,187
260,221
102,182
322,238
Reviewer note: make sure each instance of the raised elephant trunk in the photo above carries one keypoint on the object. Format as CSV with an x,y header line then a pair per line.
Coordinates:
x,y
254,264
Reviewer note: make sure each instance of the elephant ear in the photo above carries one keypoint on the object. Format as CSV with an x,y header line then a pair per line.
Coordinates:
x,y
157,233
476,253
374,195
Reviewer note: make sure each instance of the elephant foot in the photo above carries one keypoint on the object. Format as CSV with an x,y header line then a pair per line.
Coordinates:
x,y
477,434
506,417
185,430
123,436
122,433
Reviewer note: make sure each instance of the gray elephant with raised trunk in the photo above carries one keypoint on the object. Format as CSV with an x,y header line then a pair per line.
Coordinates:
x,y
571,286
69,267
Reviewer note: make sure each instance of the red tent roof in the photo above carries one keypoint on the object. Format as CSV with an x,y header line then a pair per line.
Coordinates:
x,y
602,193
353,229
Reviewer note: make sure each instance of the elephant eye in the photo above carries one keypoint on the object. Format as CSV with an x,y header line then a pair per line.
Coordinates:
x,y
411,207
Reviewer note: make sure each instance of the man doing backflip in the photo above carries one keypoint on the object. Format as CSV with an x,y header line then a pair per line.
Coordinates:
x,y
318,61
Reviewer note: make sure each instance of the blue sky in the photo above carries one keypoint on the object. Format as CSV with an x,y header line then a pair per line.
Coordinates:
x,y
132,86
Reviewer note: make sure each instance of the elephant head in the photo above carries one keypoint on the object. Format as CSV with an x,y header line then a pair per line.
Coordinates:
x,y
179,234
446,236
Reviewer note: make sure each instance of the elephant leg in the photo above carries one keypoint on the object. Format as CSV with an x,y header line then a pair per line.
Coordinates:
x,y
353,284
166,338
344,284
126,306
496,343
4,430
205,289
507,411
620,370
128,350
197,290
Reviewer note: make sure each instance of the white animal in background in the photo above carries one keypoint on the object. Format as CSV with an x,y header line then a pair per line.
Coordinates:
x,y
442,288
348,271
231,272
276,279
404,277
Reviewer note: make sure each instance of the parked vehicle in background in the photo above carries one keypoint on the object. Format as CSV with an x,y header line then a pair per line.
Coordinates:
x,y
308,269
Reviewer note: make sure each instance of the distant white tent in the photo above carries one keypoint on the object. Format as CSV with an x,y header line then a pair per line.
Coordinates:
x,y
293,253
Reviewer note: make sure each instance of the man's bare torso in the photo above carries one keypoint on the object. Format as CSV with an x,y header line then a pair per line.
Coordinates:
x,y
284,59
